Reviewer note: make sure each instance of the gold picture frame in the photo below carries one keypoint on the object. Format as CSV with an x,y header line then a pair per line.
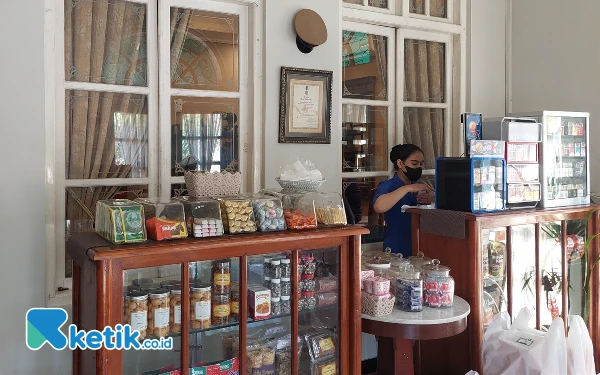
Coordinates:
x,y
305,106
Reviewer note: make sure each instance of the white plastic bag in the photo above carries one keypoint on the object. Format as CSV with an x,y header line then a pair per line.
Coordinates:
x,y
523,350
580,351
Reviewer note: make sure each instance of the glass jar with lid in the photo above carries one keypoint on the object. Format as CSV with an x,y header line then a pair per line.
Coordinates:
x,y
221,276
438,285
398,262
136,312
202,216
409,290
379,266
419,260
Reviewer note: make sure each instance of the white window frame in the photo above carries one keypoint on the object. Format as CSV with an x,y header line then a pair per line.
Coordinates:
x,y
403,35
389,33
55,99
166,92
454,32
391,9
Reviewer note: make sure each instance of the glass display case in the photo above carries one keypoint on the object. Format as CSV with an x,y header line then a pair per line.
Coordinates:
x,y
564,157
364,138
259,303
528,259
476,185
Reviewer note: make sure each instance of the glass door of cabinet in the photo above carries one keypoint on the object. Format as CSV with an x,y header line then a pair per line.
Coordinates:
x,y
214,315
152,306
565,161
494,270
319,311
269,326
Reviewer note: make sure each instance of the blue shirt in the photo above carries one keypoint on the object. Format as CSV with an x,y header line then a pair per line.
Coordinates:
x,y
398,235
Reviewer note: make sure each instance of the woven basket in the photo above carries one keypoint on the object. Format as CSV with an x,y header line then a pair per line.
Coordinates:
x,y
377,308
204,184
299,185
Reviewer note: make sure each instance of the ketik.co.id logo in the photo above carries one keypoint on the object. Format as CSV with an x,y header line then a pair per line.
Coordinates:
x,y
44,326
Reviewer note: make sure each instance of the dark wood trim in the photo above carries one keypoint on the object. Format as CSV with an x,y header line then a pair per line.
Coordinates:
x,y
294,299
355,300
114,291
414,331
538,277
194,249
185,318
102,273
565,273
344,313
76,313
475,297
243,317
594,290
509,270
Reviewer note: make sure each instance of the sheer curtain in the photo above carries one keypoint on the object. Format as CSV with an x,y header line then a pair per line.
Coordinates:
x,y
201,134
424,65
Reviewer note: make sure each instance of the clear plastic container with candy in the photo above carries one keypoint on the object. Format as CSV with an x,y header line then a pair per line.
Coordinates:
x,y
237,214
120,221
268,212
202,216
330,210
165,218
299,210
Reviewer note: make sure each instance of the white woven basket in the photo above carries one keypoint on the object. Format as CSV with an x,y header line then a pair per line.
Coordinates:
x,y
377,308
205,184
299,185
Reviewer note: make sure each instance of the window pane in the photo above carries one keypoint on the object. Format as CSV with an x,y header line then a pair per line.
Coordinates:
x,y
204,135
364,138
359,193
424,127
360,2
81,208
106,135
105,42
204,50
438,8
379,3
424,66
417,6
364,59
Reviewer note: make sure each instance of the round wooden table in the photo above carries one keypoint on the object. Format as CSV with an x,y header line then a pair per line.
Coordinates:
x,y
397,332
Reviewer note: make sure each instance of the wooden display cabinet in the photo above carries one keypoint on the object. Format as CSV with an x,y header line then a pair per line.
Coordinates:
x,y
103,273
504,262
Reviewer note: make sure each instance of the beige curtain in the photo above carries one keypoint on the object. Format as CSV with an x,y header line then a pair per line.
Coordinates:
x,y
424,82
180,21
103,42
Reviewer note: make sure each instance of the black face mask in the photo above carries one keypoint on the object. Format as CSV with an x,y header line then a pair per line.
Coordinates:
x,y
413,174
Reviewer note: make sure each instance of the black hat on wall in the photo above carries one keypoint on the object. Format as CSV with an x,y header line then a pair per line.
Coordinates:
x,y
310,30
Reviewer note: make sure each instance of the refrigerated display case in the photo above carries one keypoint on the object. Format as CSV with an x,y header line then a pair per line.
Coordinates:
x,y
258,303
474,185
506,261
564,157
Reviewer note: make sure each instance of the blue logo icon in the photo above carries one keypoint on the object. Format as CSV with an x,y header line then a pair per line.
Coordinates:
x,y
43,326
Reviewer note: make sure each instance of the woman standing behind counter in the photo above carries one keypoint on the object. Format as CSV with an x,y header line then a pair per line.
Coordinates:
x,y
400,190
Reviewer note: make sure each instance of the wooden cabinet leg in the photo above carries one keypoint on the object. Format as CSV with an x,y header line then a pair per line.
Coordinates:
x,y
394,356
403,357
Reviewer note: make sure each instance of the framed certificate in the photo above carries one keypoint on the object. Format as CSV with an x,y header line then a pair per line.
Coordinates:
x,y
305,106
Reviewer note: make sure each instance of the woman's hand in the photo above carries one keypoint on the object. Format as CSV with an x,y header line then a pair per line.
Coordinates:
x,y
415,188
426,197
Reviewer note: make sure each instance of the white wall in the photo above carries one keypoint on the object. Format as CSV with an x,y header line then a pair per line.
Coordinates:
x,y
555,59
281,51
486,57
22,194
